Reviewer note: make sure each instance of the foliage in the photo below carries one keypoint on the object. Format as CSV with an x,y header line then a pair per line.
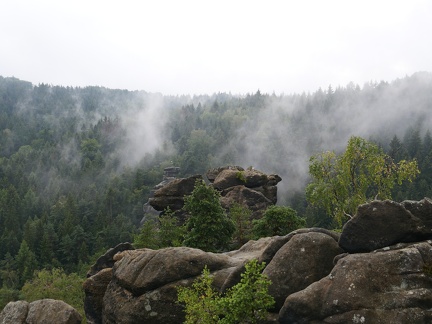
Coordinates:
x,y
240,175
246,302
8,295
208,227
243,225
341,183
277,220
160,233
56,284
147,236
201,300
73,177
171,233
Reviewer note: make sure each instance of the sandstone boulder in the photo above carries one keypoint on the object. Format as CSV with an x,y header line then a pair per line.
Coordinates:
x,y
304,259
387,286
14,312
98,278
382,223
172,194
249,198
106,260
143,288
43,311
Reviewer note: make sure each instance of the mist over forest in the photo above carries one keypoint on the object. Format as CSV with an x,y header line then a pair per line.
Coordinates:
x,y
273,133
77,164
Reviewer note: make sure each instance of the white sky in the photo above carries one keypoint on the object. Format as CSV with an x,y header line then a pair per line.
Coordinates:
x,y
196,47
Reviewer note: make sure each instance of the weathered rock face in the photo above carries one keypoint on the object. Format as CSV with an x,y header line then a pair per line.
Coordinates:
x,y
314,279
250,188
171,195
387,286
143,284
383,223
40,311
99,276
300,262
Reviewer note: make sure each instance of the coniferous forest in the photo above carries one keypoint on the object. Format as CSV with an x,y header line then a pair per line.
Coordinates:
x,y
77,164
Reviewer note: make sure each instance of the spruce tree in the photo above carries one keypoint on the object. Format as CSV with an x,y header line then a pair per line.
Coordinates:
x,y
208,227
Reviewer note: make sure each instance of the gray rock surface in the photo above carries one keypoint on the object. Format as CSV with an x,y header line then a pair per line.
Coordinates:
x,y
43,311
300,262
382,223
14,312
143,285
385,278
389,286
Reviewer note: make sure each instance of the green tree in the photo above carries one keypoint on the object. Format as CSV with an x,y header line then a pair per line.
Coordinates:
x,y
246,302
147,236
208,227
91,155
201,300
170,232
7,295
56,284
249,300
241,217
26,263
277,220
341,183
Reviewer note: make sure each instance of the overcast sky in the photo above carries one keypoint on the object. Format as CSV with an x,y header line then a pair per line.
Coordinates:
x,y
197,47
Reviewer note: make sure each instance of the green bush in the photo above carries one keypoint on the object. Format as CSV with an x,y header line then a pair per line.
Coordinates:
x,y
246,302
277,220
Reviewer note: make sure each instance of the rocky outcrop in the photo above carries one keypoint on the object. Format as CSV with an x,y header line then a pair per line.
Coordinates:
x,y
38,312
143,286
387,286
99,276
251,188
172,194
383,223
375,271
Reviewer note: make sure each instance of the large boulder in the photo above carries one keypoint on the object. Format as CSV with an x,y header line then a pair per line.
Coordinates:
x,y
382,223
98,278
144,284
304,259
386,286
254,200
14,312
172,194
250,188
40,312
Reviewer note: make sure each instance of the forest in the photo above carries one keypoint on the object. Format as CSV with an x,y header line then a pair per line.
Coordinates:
x,y
77,164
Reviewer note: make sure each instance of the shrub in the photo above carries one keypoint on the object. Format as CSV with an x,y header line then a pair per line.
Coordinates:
x,y
246,302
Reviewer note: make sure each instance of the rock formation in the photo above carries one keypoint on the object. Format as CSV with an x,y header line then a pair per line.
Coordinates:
x,y
143,282
38,312
384,223
250,188
368,274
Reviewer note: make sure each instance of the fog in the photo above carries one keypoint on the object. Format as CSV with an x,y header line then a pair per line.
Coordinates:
x,y
288,130
272,133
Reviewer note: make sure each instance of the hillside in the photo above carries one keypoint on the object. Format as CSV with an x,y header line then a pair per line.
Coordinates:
x,y
77,164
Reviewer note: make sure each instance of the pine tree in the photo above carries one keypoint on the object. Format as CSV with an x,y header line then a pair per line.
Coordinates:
x,y
208,227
